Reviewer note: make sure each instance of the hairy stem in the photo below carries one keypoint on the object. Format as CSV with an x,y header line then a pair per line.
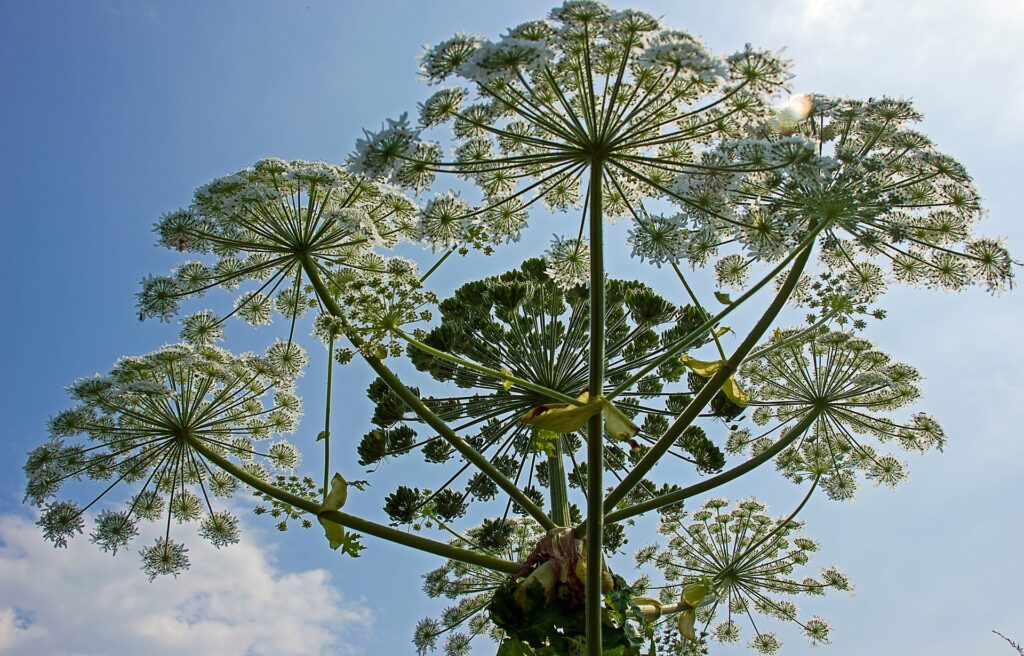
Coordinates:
x,y
327,419
557,480
682,344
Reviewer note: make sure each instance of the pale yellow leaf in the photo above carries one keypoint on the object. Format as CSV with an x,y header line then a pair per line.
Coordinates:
x,y
685,621
617,423
735,393
563,417
706,368
335,533
694,593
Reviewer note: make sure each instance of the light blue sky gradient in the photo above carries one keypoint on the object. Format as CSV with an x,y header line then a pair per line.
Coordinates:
x,y
113,111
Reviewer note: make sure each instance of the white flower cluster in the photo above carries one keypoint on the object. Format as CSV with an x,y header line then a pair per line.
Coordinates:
x,y
269,224
142,422
746,560
680,52
847,387
504,60
660,239
568,262
872,186
550,91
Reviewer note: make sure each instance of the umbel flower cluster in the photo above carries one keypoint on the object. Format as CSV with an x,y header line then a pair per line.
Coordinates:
x,y
150,425
551,404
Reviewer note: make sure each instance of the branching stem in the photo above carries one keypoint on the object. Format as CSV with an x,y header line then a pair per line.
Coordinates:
x,y
716,481
712,386
351,521
416,405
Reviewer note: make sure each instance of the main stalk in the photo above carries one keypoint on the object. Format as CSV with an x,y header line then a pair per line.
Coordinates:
x,y
595,427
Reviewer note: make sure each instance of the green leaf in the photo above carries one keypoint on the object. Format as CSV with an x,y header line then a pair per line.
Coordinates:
x,y
684,622
723,298
351,545
338,495
322,435
544,441
335,533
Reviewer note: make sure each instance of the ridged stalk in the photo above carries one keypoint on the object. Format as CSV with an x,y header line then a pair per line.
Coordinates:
x,y
721,479
595,426
559,493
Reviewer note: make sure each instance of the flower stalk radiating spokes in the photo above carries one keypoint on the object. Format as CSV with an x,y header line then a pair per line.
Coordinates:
x,y
747,561
264,222
428,416
505,342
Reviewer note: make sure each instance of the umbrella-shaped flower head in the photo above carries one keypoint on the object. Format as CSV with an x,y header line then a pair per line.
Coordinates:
x,y
147,426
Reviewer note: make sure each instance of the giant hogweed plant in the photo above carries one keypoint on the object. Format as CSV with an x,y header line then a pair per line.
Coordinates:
x,y
552,404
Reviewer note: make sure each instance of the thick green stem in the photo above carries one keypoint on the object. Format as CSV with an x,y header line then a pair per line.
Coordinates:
x,y
424,413
351,521
559,493
721,479
682,344
423,544
711,387
595,425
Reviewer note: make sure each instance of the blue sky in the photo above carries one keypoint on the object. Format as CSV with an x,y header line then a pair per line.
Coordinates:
x,y
112,112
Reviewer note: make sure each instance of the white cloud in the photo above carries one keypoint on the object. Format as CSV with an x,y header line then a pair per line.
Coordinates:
x,y
235,601
15,629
